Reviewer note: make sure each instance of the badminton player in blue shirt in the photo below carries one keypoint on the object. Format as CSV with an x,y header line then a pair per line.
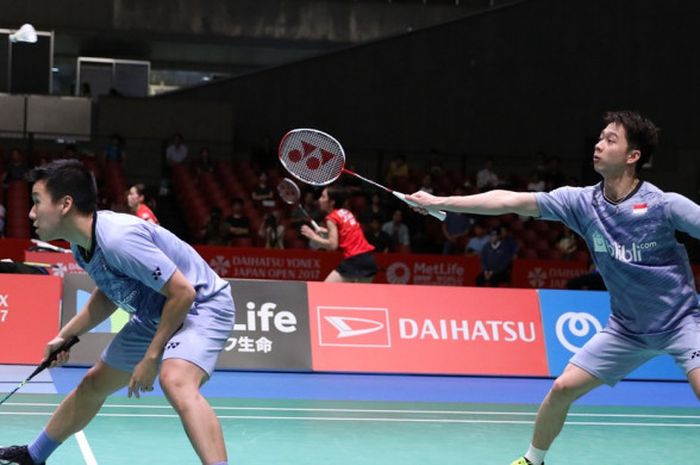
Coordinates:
x,y
181,313
629,226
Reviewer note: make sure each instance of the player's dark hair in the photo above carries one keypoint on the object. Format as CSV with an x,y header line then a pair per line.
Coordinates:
x,y
642,133
337,195
68,177
140,189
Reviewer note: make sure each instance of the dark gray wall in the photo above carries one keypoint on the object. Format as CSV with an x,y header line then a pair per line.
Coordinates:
x,y
537,75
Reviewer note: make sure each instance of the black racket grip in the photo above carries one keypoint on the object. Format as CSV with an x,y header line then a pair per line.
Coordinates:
x,y
66,345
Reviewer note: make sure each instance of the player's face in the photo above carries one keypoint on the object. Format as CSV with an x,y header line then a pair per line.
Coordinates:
x,y
133,198
324,202
611,154
46,215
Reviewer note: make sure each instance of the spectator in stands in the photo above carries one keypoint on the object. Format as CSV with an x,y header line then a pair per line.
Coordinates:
x,y
567,244
535,183
17,167
486,177
263,194
203,163
272,231
380,240
478,240
177,152
455,227
114,151
398,170
434,165
427,184
343,233
496,261
136,199
508,240
375,209
238,223
398,231
215,231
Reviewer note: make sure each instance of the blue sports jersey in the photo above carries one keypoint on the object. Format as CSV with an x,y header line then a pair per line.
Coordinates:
x,y
633,245
132,259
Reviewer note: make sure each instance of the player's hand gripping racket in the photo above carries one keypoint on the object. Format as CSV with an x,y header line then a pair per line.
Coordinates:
x,y
317,158
44,365
291,195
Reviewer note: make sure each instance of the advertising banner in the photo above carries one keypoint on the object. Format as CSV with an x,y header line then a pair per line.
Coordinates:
x,y
437,270
258,263
61,263
571,318
547,274
272,327
419,329
29,310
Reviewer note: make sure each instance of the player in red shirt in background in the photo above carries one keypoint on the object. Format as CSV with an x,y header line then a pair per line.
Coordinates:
x,y
135,199
344,233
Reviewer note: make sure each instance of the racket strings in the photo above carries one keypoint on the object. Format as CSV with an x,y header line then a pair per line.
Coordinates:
x,y
313,157
289,191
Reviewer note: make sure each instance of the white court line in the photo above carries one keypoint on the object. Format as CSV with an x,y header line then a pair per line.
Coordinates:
x,y
397,411
85,448
368,419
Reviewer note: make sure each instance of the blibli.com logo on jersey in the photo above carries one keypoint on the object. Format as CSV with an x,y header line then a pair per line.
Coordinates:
x,y
621,252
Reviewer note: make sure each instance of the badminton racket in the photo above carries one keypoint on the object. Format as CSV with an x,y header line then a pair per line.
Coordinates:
x,y
317,158
291,195
44,365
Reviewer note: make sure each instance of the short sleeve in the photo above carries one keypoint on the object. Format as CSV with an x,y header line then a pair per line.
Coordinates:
x,y
558,205
136,255
683,213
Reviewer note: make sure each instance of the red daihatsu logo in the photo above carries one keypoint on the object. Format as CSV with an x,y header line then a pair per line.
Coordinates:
x,y
353,326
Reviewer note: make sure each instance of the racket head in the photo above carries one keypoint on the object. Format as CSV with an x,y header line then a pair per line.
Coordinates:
x,y
312,156
289,191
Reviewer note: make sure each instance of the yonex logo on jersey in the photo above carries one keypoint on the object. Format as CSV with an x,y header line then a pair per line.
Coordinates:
x,y
172,345
157,273
695,354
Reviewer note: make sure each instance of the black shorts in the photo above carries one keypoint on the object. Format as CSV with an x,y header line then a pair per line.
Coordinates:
x,y
358,266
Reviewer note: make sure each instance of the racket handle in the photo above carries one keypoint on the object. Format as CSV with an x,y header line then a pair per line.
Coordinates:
x,y
315,225
53,355
439,214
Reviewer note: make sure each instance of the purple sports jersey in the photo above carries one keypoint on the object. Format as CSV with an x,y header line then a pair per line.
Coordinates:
x,y
633,245
133,259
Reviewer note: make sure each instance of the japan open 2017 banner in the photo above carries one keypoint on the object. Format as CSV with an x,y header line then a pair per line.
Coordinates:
x,y
362,328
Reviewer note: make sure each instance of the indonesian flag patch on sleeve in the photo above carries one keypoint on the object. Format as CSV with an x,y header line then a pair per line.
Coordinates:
x,y
639,208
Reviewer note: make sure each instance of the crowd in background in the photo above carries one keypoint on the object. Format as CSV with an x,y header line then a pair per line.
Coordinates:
x,y
258,218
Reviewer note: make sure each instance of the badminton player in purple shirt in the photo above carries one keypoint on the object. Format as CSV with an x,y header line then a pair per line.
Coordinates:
x,y
181,313
629,226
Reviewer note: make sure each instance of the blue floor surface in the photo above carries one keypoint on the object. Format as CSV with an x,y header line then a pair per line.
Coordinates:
x,y
329,386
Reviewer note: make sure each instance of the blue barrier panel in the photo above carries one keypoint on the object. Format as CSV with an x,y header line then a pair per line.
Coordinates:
x,y
571,318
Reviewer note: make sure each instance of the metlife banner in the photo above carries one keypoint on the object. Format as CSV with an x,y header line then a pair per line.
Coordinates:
x,y
272,327
571,318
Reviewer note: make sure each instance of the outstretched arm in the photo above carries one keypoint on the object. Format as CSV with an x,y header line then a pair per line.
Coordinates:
x,y
496,202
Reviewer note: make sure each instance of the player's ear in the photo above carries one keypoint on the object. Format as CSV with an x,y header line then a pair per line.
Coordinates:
x,y
633,156
66,203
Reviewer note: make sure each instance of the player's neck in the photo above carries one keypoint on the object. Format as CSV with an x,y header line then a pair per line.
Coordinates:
x,y
616,189
81,232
